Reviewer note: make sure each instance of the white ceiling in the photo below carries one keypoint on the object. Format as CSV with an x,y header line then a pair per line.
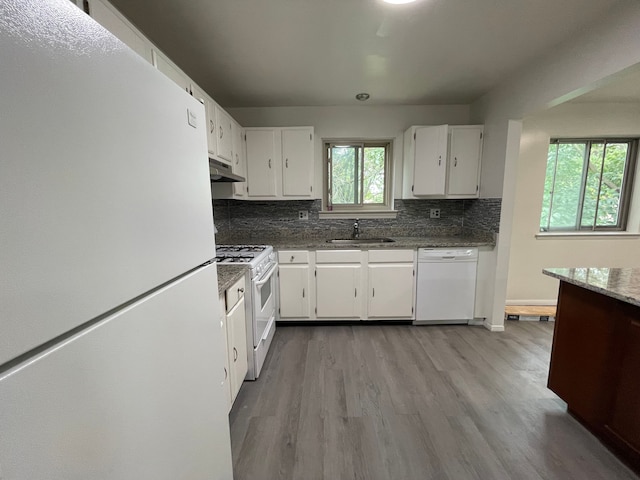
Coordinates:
x,y
623,89
323,52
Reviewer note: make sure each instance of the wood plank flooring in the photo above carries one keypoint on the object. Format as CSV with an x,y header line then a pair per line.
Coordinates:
x,y
403,402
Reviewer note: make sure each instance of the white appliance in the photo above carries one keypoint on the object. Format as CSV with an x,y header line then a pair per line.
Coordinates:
x,y
261,305
446,285
111,353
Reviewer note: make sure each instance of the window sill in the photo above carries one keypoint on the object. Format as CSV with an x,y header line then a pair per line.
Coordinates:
x,y
359,214
587,235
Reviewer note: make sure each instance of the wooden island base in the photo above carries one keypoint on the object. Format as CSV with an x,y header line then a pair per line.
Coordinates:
x,y
595,366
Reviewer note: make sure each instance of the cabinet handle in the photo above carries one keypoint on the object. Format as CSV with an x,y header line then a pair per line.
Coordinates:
x,y
455,161
374,292
211,126
235,354
355,292
221,132
269,163
241,290
303,293
286,163
439,159
225,373
292,258
237,159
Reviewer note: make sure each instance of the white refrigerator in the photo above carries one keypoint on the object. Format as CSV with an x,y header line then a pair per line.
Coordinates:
x,y
111,353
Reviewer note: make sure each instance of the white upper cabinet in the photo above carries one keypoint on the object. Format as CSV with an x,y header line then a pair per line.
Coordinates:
x,y
112,20
261,152
464,160
280,163
430,159
208,103
224,135
442,161
239,163
166,66
297,157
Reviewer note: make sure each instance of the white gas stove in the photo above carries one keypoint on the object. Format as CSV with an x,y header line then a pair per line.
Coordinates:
x,y
261,303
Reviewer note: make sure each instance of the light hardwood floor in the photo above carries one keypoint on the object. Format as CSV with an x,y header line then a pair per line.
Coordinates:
x,y
402,402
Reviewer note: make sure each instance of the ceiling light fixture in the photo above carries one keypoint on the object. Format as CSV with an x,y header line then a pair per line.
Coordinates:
x,y
399,2
362,96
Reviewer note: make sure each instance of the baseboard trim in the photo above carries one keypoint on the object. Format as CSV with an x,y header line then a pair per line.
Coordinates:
x,y
538,303
493,328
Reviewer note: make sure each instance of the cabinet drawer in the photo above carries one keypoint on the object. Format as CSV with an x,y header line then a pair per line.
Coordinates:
x,y
293,256
390,256
338,256
234,293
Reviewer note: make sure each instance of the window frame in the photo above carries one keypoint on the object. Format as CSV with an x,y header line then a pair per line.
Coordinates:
x,y
626,188
387,206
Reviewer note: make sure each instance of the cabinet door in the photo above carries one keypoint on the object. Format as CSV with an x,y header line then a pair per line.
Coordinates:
x,y
337,294
226,386
203,98
238,166
464,160
237,347
224,137
391,290
109,19
294,291
297,162
260,154
163,64
625,421
430,160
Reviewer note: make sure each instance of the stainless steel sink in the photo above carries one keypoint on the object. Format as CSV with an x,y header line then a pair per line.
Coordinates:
x,y
356,241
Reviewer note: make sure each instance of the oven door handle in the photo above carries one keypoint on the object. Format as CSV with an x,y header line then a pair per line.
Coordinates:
x,y
267,330
266,276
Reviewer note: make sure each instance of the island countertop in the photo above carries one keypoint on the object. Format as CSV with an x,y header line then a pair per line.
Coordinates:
x,y
619,283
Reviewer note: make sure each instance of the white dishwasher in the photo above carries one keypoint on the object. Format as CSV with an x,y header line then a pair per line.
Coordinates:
x,y
446,285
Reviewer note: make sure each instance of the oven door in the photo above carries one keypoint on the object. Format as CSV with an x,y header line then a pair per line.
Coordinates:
x,y
264,304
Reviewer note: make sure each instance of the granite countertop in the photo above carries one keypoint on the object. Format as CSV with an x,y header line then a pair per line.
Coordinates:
x,y
619,283
229,274
400,242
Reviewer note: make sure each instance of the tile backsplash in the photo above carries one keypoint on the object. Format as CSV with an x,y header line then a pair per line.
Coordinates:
x,y
249,219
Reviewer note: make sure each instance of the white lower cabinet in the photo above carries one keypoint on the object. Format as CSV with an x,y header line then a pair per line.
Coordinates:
x,y
337,291
347,284
391,280
237,335
226,385
233,323
294,275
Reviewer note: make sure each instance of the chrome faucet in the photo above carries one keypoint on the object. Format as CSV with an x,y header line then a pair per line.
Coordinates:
x,y
356,229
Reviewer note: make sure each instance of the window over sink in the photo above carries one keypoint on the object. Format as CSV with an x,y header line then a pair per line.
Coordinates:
x,y
357,176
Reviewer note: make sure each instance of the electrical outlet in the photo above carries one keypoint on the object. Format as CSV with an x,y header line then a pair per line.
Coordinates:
x,y
434,213
303,215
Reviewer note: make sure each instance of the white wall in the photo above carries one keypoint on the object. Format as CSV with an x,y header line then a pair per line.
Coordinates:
x,y
526,285
583,63
366,122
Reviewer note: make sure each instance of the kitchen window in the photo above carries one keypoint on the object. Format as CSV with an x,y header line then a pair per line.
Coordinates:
x,y
357,177
588,184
